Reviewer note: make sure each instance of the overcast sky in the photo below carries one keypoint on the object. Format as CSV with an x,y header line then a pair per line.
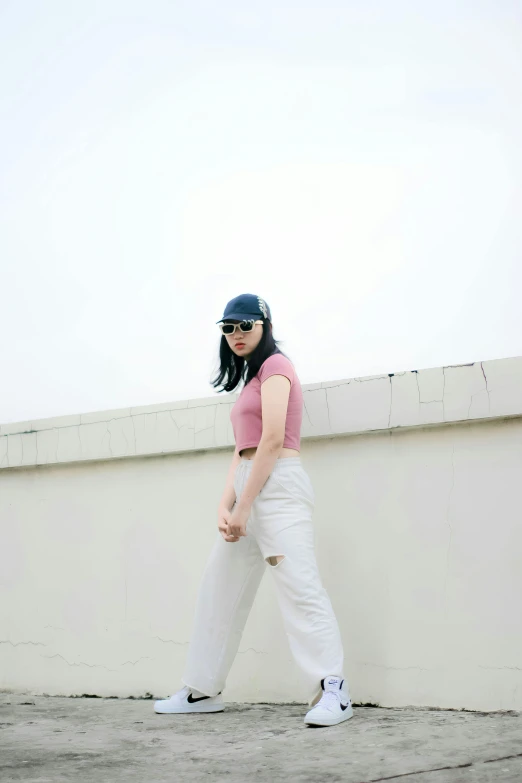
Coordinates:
x,y
357,164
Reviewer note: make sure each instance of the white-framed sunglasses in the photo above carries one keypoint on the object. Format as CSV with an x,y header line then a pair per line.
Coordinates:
x,y
244,326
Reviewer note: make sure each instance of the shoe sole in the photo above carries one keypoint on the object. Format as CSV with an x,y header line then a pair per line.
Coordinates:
x,y
192,709
333,722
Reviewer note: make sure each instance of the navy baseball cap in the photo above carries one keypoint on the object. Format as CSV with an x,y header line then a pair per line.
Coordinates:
x,y
246,307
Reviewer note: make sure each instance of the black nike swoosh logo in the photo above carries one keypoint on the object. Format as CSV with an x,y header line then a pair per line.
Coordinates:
x,y
192,700
344,707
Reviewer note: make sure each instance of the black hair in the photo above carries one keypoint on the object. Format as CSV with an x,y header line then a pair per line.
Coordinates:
x,y
233,368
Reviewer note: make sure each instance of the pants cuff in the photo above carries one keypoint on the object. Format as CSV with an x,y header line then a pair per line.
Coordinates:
x,y
205,690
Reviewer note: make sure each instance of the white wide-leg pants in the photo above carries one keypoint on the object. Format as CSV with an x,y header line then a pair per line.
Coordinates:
x,y
280,524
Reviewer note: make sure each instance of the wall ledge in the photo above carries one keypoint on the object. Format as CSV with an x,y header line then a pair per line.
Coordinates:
x,y
419,398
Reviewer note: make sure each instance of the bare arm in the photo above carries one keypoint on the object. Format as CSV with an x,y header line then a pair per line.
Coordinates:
x,y
275,392
228,497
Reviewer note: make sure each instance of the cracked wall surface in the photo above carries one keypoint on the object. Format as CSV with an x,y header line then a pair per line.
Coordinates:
x,y
417,529
480,390
418,541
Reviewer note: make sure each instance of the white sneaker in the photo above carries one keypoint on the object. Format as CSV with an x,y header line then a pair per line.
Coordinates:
x,y
184,701
334,706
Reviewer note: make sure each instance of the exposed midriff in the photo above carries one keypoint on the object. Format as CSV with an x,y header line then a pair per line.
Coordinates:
x,y
250,453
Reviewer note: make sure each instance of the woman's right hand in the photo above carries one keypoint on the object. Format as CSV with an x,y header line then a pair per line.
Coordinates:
x,y
223,520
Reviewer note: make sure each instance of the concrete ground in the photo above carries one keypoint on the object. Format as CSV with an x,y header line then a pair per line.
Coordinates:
x,y
55,739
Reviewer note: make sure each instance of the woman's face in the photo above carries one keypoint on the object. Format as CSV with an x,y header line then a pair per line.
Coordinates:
x,y
244,343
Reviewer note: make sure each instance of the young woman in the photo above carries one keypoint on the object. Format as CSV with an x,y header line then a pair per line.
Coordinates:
x,y
264,520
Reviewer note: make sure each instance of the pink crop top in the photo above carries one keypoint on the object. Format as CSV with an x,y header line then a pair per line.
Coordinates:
x,y
246,414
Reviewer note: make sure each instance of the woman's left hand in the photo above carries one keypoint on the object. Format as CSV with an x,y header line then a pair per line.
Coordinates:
x,y
238,521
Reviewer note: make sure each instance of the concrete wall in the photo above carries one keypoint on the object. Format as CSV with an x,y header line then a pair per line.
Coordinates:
x,y
106,520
